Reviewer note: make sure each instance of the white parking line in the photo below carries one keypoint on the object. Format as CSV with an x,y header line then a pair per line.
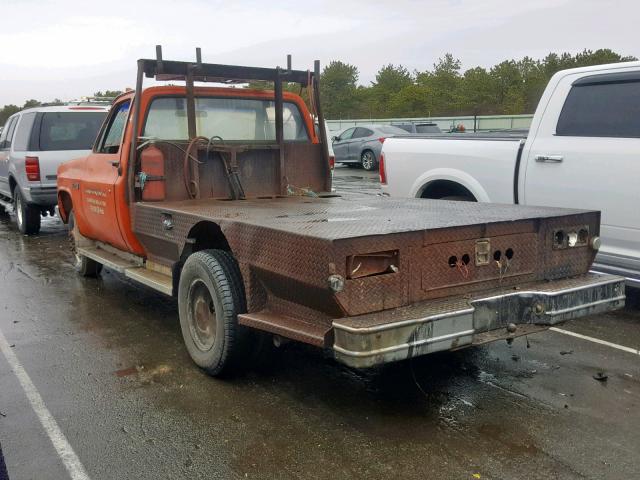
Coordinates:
x,y
635,351
65,452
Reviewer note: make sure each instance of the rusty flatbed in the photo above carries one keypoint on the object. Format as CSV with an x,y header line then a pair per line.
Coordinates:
x,y
333,217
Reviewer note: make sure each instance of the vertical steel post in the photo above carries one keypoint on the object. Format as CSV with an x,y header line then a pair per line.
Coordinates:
x,y
321,125
280,131
159,58
131,170
191,104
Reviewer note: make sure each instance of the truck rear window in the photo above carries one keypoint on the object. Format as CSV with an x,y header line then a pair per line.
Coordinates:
x,y
233,119
69,130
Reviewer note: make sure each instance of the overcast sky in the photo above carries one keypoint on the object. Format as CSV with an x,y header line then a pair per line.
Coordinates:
x,y
71,48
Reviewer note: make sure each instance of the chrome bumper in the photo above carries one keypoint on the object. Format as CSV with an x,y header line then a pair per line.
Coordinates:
x,y
454,323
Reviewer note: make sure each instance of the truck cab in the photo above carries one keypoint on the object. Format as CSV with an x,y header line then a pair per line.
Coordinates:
x,y
222,198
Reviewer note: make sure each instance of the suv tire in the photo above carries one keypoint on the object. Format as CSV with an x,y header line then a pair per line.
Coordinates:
x,y
85,266
210,297
27,216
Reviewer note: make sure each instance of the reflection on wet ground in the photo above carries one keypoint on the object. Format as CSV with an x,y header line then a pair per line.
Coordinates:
x,y
106,355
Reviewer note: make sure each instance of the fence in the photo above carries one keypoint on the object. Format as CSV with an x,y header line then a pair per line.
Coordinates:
x,y
482,123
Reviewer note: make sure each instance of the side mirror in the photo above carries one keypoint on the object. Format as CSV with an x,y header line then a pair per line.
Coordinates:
x,y
335,138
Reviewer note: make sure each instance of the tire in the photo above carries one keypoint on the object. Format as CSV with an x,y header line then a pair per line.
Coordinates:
x,y
210,297
85,266
368,160
27,216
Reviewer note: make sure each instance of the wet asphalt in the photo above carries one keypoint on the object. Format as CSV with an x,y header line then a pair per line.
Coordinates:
x,y
107,358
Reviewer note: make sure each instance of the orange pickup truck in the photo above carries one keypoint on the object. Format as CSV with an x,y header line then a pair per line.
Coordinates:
x,y
222,198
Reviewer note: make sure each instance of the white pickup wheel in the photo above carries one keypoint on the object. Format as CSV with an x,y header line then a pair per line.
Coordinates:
x,y
210,297
84,265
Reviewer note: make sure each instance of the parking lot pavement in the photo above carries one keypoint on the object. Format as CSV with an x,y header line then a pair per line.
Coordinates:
x,y
106,359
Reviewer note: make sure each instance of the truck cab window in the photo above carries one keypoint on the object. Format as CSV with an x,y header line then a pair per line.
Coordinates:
x,y
601,110
112,136
232,119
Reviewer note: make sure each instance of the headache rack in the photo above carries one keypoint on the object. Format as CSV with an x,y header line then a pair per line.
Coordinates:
x,y
190,72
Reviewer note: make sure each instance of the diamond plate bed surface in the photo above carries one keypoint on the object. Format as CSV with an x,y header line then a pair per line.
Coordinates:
x,y
339,218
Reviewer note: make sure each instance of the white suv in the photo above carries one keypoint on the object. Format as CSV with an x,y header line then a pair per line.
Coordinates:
x,y
33,143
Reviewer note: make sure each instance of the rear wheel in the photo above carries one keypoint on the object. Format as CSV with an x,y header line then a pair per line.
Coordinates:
x,y
27,216
84,265
210,297
368,160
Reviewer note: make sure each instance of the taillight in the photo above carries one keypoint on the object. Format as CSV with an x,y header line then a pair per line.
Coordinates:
x,y
332,162
382,170
381,139
32,168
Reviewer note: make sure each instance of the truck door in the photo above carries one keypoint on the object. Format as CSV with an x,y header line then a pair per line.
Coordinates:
x,y
98,188
586,154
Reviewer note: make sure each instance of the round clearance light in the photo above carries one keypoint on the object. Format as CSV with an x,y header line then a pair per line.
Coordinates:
x,y
595,243
572,239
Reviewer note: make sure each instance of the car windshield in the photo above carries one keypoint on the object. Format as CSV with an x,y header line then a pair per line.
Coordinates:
x,y
69,130
233,119
390,130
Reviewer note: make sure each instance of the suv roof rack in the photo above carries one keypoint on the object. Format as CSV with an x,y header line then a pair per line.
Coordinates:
x,y
92,101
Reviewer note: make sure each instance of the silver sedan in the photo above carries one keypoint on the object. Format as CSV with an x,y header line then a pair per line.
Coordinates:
x,y
362,145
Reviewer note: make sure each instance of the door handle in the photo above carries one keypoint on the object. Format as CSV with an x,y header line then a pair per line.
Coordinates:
x,y
549,158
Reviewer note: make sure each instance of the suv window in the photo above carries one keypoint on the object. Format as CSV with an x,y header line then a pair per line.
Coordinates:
x,y
362,132
21,140
239,119
346,135
601,110
112,136
69,130
7,133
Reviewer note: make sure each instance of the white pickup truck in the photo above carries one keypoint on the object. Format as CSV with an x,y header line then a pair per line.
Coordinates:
x,y
582,151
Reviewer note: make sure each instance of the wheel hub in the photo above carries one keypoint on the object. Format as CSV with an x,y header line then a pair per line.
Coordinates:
x,y
202,316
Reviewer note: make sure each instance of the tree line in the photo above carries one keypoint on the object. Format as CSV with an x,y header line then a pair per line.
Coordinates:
x,y
509,87
9,110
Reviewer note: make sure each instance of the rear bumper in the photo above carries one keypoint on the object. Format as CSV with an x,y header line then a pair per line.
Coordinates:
x,y
44,196
453,323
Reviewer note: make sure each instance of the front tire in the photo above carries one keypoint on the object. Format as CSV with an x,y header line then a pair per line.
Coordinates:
x,y
210,297
85,266
27,216
368,160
